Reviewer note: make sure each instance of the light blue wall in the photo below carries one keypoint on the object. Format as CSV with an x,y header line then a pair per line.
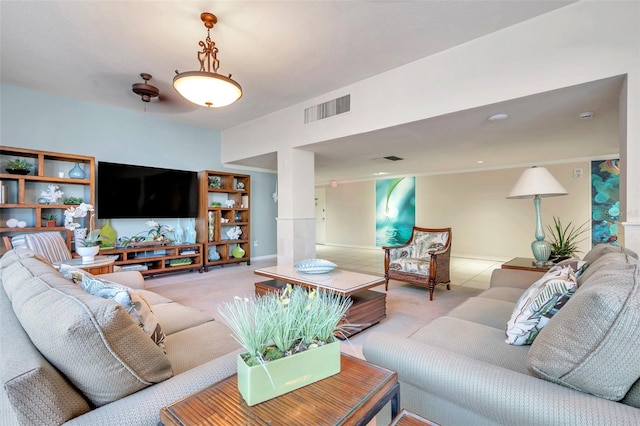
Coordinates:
x,y
36,120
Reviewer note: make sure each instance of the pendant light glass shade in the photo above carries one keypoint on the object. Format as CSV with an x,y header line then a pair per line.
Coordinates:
x,y
206,87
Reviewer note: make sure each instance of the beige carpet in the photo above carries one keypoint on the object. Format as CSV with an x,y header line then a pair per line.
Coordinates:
x,y
408,307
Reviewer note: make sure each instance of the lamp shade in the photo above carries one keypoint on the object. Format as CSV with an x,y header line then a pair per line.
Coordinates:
x,y
537,181
207,88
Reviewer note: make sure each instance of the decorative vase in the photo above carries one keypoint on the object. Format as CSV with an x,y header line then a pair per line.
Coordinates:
x,y
76,172
190,231
78,236
263,382
108,234
178,233
213,253
238,252
88,253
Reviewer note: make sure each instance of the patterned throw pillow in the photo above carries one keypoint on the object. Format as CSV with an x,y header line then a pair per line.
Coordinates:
x,y
538,304
133,302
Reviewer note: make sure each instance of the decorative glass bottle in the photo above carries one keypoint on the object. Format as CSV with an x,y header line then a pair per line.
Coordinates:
x,y
211,227
76,172
178,233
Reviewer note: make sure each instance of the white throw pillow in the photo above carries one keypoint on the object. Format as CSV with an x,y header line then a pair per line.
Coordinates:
x,y
538,304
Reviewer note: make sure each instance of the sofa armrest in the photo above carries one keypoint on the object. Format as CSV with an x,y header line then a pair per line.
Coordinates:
x,y
132,279
514,278
143,407
501,395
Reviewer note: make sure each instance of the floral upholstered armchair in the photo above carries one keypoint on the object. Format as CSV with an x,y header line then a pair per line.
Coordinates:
x,y
423,260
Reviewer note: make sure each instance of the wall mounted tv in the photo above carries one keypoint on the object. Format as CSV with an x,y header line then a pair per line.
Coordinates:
x,y
127,191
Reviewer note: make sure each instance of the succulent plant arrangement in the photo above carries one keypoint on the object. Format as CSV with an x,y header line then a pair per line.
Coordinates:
x,y
273,326
19,165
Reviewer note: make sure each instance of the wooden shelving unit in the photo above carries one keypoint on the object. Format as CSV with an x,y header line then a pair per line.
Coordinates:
x,y
23,191
216,190
153,260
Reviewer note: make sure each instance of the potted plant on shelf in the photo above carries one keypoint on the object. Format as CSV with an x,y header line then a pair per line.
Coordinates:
x,y
50,220
289,338
18,167
565,239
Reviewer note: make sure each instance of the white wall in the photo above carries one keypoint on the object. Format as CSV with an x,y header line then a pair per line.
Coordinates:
x,y
484,223
582,42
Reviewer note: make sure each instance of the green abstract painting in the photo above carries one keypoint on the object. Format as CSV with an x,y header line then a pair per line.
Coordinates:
x,y
395,210
605,201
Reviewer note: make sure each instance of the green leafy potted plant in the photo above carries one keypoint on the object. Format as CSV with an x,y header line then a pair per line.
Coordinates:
x,y
289,338
565,239
50,220
18,167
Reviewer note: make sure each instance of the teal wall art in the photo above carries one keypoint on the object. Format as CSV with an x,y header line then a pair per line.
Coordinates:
x,y
395,210
605,201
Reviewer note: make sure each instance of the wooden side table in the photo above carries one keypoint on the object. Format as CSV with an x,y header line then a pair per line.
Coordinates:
x,y
352,397
100,265
407,418
525,264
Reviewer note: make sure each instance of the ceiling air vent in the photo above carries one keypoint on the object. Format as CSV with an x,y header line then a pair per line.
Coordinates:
x,y
327,109
393,158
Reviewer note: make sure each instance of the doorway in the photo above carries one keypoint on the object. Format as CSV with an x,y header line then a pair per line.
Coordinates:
x,y
320,213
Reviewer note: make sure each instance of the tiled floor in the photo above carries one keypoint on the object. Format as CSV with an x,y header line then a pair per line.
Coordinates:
x,y
465,272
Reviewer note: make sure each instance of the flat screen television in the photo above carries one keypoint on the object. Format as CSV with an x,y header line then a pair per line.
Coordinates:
x,y
126,191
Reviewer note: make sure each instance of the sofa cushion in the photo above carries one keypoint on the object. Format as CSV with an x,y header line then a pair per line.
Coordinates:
x,y
474,340
92,341
214,340
152,297
483,310
134,303
507,294
632,397
592,343
38,393
608,261
538,304
50,245
176,317
600,250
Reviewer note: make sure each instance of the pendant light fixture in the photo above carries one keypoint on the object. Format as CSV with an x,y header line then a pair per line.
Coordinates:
x,y
206,87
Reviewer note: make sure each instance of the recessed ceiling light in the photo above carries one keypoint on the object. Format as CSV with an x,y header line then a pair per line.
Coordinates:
x,y
380,173
498,117
479,161
586,115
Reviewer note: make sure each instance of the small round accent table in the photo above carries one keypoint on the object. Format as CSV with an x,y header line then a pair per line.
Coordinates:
x,y
100,265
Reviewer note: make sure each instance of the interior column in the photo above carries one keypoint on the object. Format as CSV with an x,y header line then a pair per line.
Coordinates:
x,y
630,156
296,215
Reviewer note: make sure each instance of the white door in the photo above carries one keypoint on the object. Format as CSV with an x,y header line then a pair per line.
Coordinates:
x,y
321,205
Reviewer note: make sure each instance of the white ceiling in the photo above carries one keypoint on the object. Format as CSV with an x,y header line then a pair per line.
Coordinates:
x,y
286,52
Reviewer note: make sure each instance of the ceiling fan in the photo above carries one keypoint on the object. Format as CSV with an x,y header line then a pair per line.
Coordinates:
x,y
146,91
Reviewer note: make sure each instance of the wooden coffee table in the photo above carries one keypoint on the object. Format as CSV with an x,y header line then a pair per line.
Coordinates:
x,y
352,397
368,307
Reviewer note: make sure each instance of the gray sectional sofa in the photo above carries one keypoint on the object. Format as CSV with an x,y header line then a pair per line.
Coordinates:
x,y
582,368
75,358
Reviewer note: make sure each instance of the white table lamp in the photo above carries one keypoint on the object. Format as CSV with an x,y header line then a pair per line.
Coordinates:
x,y
536,183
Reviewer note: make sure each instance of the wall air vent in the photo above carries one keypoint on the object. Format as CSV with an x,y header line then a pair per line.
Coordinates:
x,y
393,158
327,109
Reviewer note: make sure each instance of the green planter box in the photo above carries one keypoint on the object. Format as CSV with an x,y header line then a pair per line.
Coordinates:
x,y
289,373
